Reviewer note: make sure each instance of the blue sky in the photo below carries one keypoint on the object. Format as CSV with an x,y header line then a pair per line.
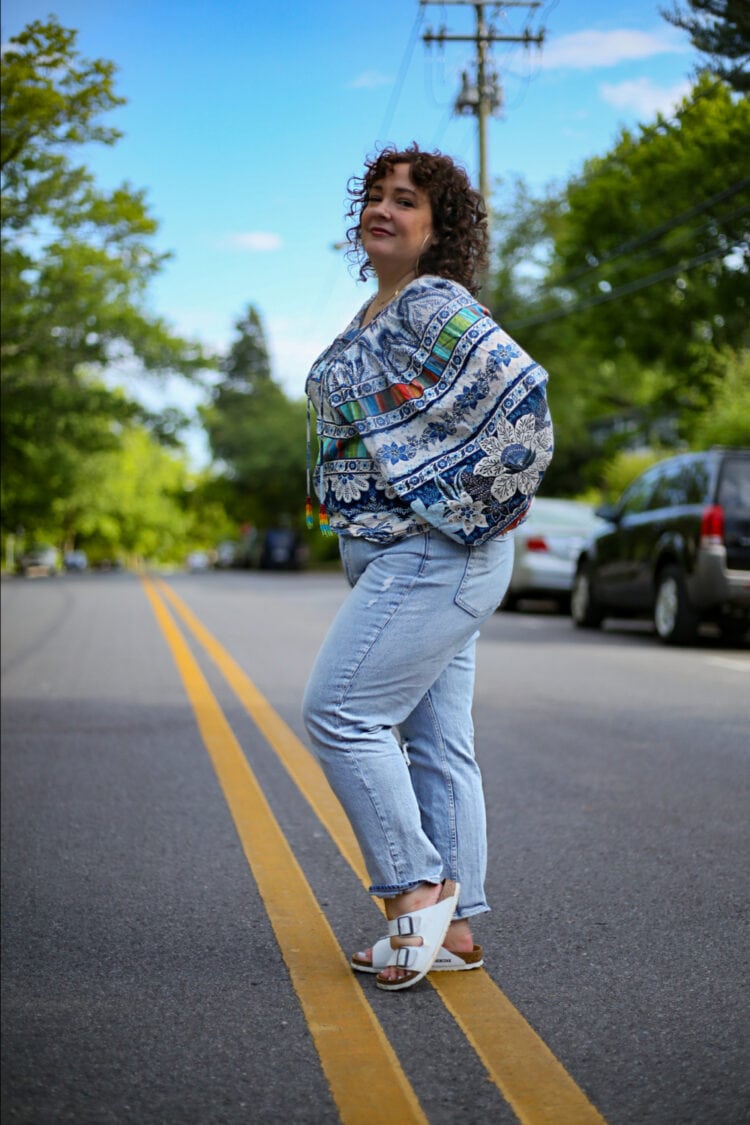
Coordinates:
x,y
245,120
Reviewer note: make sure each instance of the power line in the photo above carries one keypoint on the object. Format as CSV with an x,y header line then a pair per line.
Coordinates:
x,y
396,92
689,235
655,232
442,126
622,290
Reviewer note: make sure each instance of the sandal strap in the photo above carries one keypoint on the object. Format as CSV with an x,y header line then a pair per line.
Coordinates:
x,y
431,925
406,925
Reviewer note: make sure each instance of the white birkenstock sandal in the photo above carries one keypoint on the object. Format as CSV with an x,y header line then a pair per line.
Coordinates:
x,y
431,925
449,962
446,961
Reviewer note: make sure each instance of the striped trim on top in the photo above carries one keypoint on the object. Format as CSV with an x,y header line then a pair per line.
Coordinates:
x,y
396,394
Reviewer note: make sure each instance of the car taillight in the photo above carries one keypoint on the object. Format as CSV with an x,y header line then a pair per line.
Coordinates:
x,y
712,526
536,543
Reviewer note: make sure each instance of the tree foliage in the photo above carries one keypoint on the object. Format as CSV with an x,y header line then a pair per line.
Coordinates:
x,y
256,432
629,282
721,30
727,422
127,501
76,263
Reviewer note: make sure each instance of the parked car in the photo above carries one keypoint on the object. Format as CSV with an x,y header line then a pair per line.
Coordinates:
x,y
226,554
676,548
247,548
198,561
547,545
40,561
279,548
75,560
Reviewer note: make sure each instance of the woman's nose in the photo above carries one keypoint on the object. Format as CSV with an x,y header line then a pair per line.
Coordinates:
x,y
381,207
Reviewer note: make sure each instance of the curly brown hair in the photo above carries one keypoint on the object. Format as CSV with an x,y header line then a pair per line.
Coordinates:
x,y
459,216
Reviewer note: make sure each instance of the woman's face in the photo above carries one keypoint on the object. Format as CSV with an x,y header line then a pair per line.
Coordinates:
x,y
396,223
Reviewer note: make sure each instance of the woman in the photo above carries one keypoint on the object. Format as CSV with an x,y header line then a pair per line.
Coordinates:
x,y
434,434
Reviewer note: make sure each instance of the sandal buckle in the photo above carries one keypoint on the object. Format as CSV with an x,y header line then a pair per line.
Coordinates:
x,y
405,924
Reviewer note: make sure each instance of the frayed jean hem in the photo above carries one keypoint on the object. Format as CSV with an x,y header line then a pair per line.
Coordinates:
x,y
470,912
394,890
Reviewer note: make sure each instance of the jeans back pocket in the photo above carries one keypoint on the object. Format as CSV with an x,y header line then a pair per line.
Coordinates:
x,y
486,577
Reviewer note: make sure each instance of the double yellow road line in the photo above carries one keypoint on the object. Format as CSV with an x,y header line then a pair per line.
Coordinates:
x,y
366,1080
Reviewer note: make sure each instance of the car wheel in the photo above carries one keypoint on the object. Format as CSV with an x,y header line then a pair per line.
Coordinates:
x,y
675,619
585,610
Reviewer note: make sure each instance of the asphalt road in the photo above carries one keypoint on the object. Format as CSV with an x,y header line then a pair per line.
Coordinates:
x,y
177,888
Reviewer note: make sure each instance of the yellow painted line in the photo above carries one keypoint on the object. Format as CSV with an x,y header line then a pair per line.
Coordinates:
x,y
296,758
531,1079
365,1077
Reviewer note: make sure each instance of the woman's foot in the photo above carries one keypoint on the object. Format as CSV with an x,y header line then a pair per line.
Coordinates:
x,y
426,894
458,942
458,938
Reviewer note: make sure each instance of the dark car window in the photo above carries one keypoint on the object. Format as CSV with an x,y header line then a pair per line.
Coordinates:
x,y
680,483
637,496
734,484
699,482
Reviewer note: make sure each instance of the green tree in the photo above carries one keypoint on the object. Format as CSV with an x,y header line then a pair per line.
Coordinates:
x,y
256,432
205,503
721,30
128,500
76,263
657,233
247,367
637,277
727,422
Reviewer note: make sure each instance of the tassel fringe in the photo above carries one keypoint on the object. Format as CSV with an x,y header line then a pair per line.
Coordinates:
x,y
323,520
322,513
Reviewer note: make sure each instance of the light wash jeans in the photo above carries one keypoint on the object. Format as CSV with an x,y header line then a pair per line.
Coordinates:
x,y
401,654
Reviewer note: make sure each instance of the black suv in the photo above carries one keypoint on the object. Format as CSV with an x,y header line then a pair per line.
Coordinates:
x,y
678,549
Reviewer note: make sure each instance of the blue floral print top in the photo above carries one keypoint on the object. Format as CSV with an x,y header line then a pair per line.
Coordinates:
x,y
430,415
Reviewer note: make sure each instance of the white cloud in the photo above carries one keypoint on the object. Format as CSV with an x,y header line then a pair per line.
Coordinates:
x,y
370,80
587,49
644,97
258,241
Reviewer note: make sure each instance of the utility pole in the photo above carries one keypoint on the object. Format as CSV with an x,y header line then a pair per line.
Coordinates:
x,y
483,98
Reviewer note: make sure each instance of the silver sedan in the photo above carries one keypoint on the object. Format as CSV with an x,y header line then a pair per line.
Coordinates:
x,y
547,547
